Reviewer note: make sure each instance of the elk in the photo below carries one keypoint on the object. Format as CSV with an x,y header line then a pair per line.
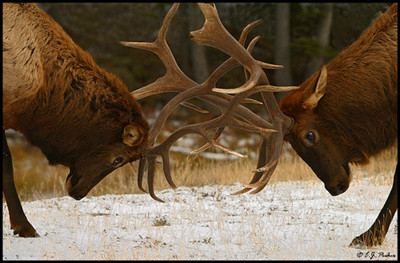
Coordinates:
x,y
347,112
79,115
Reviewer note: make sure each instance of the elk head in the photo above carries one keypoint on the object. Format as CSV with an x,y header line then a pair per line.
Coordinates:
x,y
89,169
316,136
233,113
107,132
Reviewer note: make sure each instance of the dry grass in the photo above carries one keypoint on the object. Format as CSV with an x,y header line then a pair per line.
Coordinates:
x,y
35,179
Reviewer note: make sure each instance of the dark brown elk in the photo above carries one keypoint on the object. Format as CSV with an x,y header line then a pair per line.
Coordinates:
x,y
347,112
54,94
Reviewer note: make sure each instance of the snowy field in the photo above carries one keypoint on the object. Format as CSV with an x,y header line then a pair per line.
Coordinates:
x,y
295,220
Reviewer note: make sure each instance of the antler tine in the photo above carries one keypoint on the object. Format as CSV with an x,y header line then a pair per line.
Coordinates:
x,y
174,77
268,87
242,40
208,145
150,177
267,175
167,170
246,30
193,107
214,34
154,46
262,158
142,164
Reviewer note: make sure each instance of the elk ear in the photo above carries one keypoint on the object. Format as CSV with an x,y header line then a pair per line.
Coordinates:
x,y
312,101
131,135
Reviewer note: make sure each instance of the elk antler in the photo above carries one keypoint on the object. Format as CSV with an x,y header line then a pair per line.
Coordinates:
x,y
233,113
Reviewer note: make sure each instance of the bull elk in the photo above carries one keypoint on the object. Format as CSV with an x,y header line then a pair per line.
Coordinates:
x,y
54,94
347,112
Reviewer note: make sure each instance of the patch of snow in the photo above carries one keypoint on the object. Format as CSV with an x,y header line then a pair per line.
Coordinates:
x,y
287,220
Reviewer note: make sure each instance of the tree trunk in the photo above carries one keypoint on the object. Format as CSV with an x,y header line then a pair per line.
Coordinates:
x,y
199,63
322,38
282,48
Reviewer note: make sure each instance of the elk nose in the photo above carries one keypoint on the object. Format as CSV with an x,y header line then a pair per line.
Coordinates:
x,y
336,190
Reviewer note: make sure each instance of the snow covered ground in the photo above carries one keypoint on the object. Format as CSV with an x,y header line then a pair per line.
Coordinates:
x,y
287,220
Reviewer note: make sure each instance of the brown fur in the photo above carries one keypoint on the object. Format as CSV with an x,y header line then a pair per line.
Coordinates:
x,y
56,95
356,116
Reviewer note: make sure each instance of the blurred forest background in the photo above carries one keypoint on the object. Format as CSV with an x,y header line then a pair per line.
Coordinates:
x,y
300,36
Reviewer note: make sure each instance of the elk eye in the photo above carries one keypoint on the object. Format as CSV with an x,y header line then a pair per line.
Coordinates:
x,y
310,136
118,160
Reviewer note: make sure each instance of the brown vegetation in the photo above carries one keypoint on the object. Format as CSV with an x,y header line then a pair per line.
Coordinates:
x,y
35,179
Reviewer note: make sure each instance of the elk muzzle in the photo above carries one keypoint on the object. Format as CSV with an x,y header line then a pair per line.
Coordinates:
x,y
341,186
79,186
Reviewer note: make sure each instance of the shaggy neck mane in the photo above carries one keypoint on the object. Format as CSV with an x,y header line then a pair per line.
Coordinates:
x,y
76,106
361,98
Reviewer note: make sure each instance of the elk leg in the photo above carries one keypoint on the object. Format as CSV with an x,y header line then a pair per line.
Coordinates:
x,y
19,222
377,232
